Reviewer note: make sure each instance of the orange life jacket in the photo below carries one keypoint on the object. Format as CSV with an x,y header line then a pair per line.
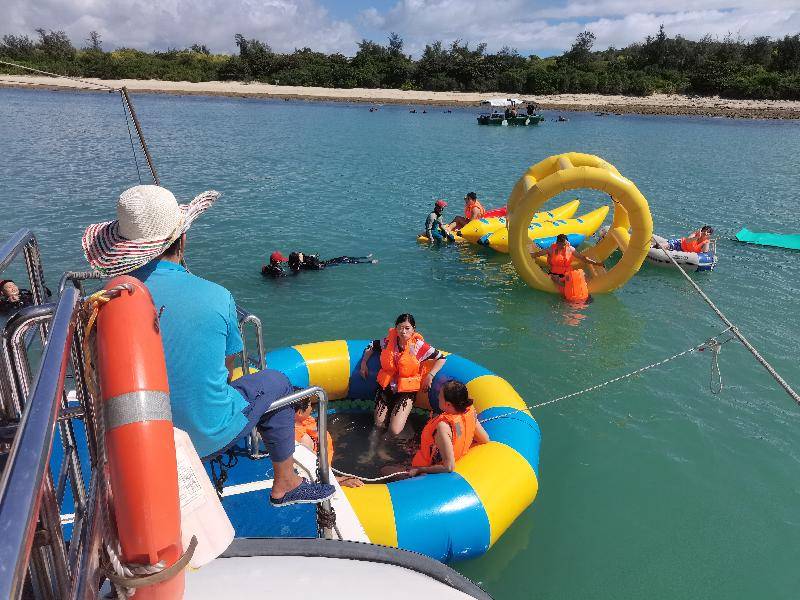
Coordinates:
x,y
474,204
309,426
463,429
402,367
575,287
694,244
560,261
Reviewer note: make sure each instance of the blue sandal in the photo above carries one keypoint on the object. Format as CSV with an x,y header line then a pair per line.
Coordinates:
x,y
305,493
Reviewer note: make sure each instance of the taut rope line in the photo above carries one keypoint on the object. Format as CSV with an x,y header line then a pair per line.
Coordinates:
x,y
770,369
100,85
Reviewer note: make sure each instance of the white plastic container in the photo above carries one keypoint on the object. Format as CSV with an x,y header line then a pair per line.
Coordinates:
x,y
202,514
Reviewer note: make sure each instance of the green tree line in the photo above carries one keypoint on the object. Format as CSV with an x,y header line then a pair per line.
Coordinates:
x,y
759,68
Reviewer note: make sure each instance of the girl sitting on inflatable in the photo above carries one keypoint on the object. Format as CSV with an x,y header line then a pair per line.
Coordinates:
x,y
402,374
446,437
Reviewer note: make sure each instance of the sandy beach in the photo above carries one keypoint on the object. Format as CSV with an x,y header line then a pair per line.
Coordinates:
x,y
657,104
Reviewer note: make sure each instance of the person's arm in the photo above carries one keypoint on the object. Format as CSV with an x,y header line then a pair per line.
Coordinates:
x,y
437,365
429,223
587,260
364,369
444,442
475,214
480,437
538,253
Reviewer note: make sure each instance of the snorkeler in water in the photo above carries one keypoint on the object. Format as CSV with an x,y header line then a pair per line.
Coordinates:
x,y
299,261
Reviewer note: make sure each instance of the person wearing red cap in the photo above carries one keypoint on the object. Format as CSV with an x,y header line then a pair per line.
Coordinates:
x,y
274,268
435,229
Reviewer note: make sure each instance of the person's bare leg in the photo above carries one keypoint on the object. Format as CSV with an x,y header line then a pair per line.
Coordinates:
x,y
285,478
398,420
381,412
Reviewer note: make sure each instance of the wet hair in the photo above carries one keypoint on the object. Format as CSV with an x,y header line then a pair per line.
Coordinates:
x,y
707,228
456,394
472,196
405,317
294,261
561,237
302,405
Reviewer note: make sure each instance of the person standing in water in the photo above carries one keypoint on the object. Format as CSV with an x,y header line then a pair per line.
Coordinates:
x,y
402,374
559,258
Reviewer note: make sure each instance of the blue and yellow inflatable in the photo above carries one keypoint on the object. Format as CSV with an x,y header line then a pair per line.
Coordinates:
x,y
450,516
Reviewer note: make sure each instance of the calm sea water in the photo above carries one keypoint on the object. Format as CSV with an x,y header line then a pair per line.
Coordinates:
x,y
654,487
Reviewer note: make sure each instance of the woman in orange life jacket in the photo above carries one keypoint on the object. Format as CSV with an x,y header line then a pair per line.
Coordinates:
x,y
697,241
401,376
473,209
559,258
305,433
446,437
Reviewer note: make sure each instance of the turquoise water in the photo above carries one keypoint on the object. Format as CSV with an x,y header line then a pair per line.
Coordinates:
x,y
652,487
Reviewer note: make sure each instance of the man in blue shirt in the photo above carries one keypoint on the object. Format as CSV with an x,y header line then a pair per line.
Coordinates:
x,y
200,333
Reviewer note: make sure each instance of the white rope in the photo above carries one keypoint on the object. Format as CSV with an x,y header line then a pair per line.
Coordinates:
x,y
23,67
128,569
711,343
763,361
369,479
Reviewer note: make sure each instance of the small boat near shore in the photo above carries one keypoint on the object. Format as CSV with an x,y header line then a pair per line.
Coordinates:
x,y
503,112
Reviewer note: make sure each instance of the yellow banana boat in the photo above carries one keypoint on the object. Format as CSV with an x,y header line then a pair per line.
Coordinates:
x,y
544,233
478,228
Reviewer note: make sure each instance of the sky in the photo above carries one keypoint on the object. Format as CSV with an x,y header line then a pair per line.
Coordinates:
x,y
530,26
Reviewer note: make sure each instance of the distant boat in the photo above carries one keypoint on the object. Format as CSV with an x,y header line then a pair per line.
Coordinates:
x,y
790,241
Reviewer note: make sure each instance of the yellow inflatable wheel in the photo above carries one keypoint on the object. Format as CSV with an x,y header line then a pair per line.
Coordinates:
x,y
631,229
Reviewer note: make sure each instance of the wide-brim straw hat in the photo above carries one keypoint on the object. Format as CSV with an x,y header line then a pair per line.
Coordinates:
x,y
149,219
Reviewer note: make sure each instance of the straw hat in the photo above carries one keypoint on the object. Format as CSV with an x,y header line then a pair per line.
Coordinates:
x,y
149,219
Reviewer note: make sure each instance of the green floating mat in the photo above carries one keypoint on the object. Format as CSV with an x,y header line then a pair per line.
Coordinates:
x,y
779,240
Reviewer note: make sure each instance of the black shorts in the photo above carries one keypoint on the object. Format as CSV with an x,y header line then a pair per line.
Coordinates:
x,y
393,401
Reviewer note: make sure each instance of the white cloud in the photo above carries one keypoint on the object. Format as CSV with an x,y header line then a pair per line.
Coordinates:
x,y
538,26
147,24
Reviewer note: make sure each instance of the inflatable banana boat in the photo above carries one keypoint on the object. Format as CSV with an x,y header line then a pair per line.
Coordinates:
x,y
448,516
478,228
543,234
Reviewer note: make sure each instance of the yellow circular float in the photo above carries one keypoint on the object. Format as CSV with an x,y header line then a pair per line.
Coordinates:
x,y
631,229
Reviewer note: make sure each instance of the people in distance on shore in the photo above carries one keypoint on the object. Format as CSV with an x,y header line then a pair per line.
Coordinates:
x,y
403,372
559,258
435,229
300,261
200,334
446,437
697,241
473,209
274,268
11,297
305,433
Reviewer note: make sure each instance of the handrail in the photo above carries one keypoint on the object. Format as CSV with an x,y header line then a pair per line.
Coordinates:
x,y
24,475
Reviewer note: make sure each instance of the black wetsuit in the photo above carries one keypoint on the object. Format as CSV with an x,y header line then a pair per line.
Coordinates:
x,y
273,271
311,262
25,299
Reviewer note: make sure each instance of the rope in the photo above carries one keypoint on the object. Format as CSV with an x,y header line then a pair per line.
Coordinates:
x,y
763,361
711,343
368,479
23,67
130,135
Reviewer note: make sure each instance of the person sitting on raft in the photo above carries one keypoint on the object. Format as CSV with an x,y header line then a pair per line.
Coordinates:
x,y
435,229
401,376
274,268
299,261
560,256
698,241
447,436
473,209
306,434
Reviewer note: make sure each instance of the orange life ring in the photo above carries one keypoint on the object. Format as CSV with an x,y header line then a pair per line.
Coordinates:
x,y
138,434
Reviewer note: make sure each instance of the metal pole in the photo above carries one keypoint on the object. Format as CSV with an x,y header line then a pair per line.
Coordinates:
x,y
322,450
124,91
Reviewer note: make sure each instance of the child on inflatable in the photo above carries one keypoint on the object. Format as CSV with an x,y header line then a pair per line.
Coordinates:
x,y
305,433
403,352
446,437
